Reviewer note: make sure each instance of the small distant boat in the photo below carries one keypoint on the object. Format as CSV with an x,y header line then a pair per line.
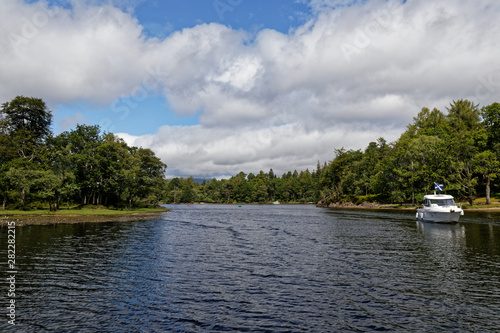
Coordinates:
x,y
439,208
276,202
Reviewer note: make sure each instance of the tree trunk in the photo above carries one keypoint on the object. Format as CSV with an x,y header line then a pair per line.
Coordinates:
x,y
412,186
488,191
23,196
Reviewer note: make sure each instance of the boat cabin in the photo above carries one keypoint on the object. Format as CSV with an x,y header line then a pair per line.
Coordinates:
x,y
439,200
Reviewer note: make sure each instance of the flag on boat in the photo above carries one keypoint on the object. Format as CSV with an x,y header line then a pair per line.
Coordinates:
x,y
438,187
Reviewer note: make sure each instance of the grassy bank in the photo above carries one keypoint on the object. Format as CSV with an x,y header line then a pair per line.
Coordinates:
x,y
480,204
83,211
74,215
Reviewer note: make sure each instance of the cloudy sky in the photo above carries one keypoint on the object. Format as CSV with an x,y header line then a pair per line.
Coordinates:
x,y
215,87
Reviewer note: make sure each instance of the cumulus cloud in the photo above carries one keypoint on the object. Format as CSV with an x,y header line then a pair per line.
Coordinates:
x,y
356,71
283,148
83,53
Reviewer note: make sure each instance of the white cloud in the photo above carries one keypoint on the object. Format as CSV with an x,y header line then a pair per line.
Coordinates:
x,y
88,53
357,71
241,74
283,148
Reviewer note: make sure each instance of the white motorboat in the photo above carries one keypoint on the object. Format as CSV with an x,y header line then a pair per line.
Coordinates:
x,y
439,208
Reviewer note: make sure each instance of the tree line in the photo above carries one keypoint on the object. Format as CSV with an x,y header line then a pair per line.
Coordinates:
x,y
300,187
83,165
459,148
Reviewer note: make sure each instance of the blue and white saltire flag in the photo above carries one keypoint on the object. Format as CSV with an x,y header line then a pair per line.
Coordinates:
x,y
438,187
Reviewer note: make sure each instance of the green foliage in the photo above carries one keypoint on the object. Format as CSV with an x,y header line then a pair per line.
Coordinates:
x,y
27,115
263,188
26,125
491,122
82,165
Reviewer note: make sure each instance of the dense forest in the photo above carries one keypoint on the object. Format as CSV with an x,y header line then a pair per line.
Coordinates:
x,y
82,166
459,148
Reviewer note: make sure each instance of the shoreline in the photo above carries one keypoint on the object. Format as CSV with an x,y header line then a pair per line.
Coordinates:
x,y
402,208
46,219
486,209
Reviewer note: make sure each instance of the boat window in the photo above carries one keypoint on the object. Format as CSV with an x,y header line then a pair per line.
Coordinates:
x,y
443,202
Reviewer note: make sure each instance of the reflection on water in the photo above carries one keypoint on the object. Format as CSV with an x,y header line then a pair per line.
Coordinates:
x,y
442,243
259,269
439,233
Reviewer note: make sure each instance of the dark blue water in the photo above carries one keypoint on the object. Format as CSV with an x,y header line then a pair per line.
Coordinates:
x,y
211,268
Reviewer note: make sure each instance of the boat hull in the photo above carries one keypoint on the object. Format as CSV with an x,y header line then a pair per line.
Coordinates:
x,y
439,217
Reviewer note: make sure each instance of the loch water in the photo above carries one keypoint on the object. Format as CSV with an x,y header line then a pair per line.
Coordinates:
x,y
257,268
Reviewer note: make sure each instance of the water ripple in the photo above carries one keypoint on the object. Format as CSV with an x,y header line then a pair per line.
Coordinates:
x,y
259,269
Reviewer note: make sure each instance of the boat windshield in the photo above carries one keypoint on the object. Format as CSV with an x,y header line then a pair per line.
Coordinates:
x,y
443,202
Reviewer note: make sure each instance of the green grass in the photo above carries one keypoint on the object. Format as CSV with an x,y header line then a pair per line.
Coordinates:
x,y
480,202
84,212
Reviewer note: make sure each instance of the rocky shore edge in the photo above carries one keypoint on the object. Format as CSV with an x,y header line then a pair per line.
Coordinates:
x,y
352,205
374,205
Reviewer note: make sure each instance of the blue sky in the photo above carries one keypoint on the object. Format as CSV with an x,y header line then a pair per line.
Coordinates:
x,y
137,118
160,18
215,87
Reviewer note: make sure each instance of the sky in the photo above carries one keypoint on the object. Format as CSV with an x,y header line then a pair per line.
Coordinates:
x,y
215,87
